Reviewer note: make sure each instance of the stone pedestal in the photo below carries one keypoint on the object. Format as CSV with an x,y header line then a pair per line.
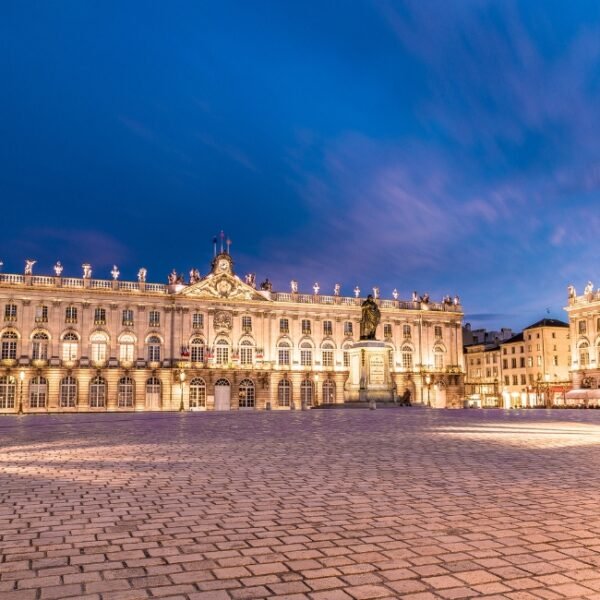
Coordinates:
x,y
370,380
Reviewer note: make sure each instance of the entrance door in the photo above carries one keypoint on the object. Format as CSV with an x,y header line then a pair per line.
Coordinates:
x,y
222,395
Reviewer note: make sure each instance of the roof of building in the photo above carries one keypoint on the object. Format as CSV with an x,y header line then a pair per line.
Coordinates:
x,y
548,323
514,338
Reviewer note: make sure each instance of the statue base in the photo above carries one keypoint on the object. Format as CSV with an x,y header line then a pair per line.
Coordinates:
x,y
370,380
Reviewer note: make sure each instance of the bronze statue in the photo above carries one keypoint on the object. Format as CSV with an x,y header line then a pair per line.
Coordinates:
x,y
370,319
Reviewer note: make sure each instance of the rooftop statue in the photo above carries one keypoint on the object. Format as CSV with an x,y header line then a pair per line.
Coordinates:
x,y
370,318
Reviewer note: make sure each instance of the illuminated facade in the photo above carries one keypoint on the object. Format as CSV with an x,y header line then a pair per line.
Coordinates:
x,y
214,343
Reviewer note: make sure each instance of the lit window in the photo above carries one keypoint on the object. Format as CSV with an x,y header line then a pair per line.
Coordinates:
x,y
246,353
306,354
41,314
407,358
222,352
328,392
68,392
154,318
126,348
197,393
197,321
100,316
154,348
38,392
284,353
39,350
247,394
125,393
197,350
327,355
327,328
306,392
246,324
70,346
99,348
127,318
284,326
306,327
98,392
8,391
10,312
71,314
348,329
584,355
284,393
9,345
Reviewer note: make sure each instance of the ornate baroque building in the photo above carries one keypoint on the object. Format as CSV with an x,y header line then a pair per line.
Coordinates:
x,y
84,344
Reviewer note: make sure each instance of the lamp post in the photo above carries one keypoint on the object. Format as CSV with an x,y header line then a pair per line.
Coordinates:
x,y
316,389
21,379
181,380
428,384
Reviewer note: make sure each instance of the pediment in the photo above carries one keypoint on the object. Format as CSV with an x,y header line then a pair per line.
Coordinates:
x,y
223,286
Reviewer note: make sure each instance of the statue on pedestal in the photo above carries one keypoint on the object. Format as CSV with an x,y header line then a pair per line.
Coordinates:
x,y
370,318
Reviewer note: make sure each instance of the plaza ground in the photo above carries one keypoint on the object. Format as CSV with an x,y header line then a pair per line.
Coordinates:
x,y
321,505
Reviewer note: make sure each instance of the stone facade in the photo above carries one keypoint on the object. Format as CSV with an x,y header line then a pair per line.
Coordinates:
x,y
70,344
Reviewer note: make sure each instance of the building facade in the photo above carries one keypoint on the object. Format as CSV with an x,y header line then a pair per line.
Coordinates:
x,y
83,344
584,326
483,375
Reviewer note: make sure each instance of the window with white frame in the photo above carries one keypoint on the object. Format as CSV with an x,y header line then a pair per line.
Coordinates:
x,y
584,355
246,324
284,393
68,392
127,317
9,345
100,316
41,314
246,352
39,346
327,355
154,344
70,346
197,348
38,392
222,352
306,354
154,318
197,393
10,312
306,392
247,394
8,391
327,328
306,327
126,348
348,329
283,354
328,392
346,357
98,392
71,315
125,393
197,320
99,346
407,357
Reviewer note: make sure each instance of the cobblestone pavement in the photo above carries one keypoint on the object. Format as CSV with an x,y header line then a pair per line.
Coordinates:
x,y
321,505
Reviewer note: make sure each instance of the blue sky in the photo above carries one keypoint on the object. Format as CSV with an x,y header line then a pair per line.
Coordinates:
x,y
441,146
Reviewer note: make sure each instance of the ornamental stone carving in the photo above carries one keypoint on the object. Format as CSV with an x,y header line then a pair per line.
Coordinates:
x,y
223,321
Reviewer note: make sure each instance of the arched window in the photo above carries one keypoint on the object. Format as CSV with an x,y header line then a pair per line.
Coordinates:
x,y
283,353
125,393
438,358
68,392
284,392
8,391
306,392
127,347
197,350
222,352
70,346
246,353
407,357
247,394
98,392
327,355
39,349
584,355
153,393
99,342
328,392
306,354
153,348
197,393
9,345
38,392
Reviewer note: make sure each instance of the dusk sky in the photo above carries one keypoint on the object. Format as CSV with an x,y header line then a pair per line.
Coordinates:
x,y
438,146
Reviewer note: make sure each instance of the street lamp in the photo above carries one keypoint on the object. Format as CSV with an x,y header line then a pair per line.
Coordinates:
x,y
316,389
21,379
181,380
428,384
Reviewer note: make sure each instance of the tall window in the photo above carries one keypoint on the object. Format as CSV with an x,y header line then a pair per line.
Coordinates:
x,y
246,324
438,358
98,392
8,391
9,345
247,394
10,312
99,342
125,393
584,355
328,391
126,348
197,393
154,318
582,327
197,320
197,350
306,327
68,392
39,347
284,326
306,354
41,314
70,346
38,392
71,314
407,358
284,392
306,392
154,348
348,329
387,330
246,353
283,352
327,328
100,316
346,357
406,331
127,317
327,355
222,352
153,393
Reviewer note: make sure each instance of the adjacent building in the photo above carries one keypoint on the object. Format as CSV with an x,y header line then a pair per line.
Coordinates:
x,y
213,343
